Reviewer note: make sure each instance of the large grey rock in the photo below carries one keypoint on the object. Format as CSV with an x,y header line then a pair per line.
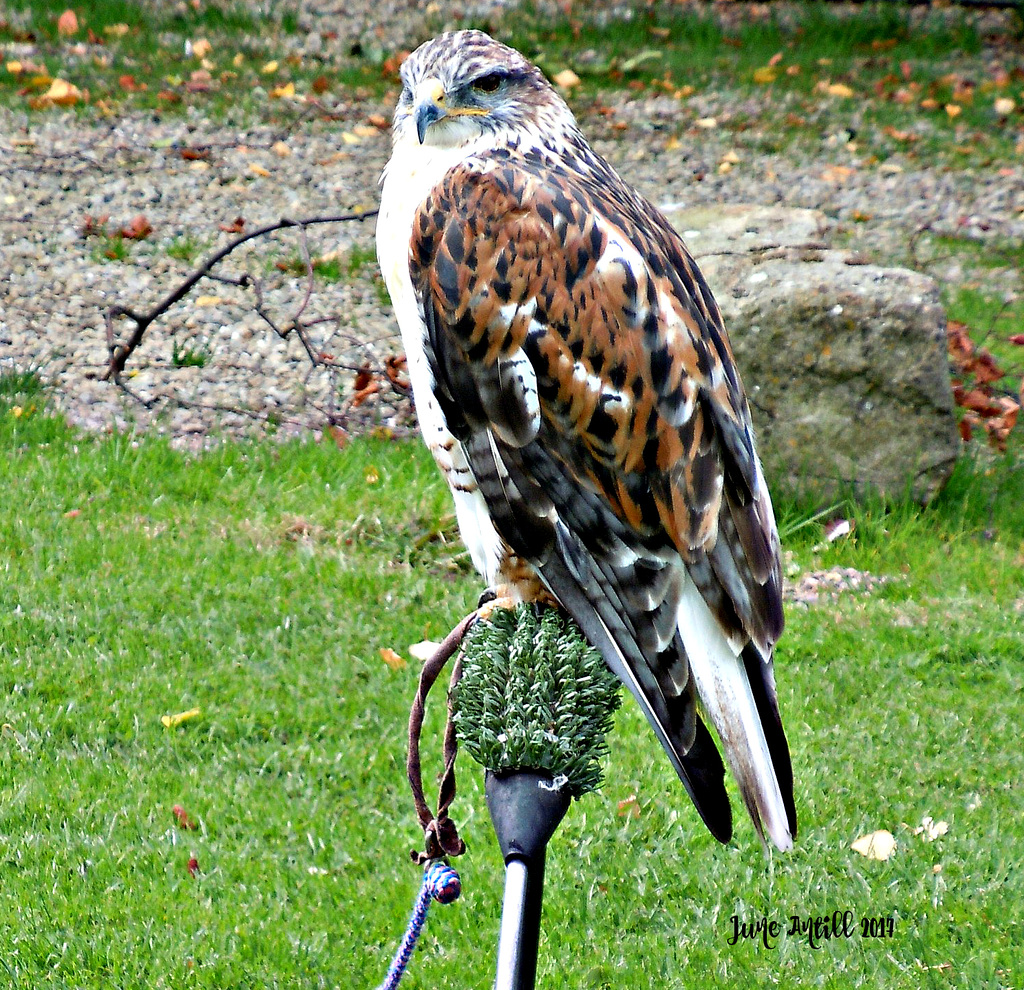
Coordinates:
x,y
844,363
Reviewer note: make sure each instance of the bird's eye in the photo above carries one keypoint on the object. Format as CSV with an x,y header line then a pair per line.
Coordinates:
x,y
488,83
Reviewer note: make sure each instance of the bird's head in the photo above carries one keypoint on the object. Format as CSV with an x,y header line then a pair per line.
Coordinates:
x,y
464,84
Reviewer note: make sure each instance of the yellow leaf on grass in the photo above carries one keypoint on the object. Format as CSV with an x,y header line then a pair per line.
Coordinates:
x,y
173,721
61,93
930,830
878,845
14,68
283,92
201,48
1004,106
840,89
117,30
766,74
269,68
953,110
423,651
566,79
391,658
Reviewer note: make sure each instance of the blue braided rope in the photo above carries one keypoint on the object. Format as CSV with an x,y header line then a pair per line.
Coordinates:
x,y
440,883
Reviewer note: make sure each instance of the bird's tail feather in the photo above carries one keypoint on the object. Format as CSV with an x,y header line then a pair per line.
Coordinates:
x,y
745,717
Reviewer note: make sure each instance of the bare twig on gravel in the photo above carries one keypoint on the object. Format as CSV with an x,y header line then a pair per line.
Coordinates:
x,y
120,353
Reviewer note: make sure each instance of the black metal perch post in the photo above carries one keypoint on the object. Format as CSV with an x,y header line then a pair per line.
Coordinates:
x,y
525,808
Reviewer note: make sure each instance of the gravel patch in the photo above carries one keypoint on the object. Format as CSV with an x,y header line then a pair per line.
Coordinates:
x,y
56,285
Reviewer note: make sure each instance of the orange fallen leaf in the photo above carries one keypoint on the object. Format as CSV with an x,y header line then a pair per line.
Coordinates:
x,y
67,23
137,229
364,393
837,173
199,81
235,227
392,659
182,818
201,47
629,807
396,368
258,170
60,94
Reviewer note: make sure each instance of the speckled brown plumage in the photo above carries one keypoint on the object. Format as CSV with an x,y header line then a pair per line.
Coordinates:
x,y
579,360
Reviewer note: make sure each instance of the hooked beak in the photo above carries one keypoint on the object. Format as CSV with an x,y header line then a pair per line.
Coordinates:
x,y
426,114
429,107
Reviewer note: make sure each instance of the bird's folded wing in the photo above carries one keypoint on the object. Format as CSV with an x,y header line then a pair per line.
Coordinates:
x,y
580,357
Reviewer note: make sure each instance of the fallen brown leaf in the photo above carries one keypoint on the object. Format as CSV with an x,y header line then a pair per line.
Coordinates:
x,y
137,229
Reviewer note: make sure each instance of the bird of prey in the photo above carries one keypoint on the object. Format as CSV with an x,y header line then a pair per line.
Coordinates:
x,y
575,383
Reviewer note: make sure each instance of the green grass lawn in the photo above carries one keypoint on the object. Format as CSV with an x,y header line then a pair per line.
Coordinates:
x,y
258,583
